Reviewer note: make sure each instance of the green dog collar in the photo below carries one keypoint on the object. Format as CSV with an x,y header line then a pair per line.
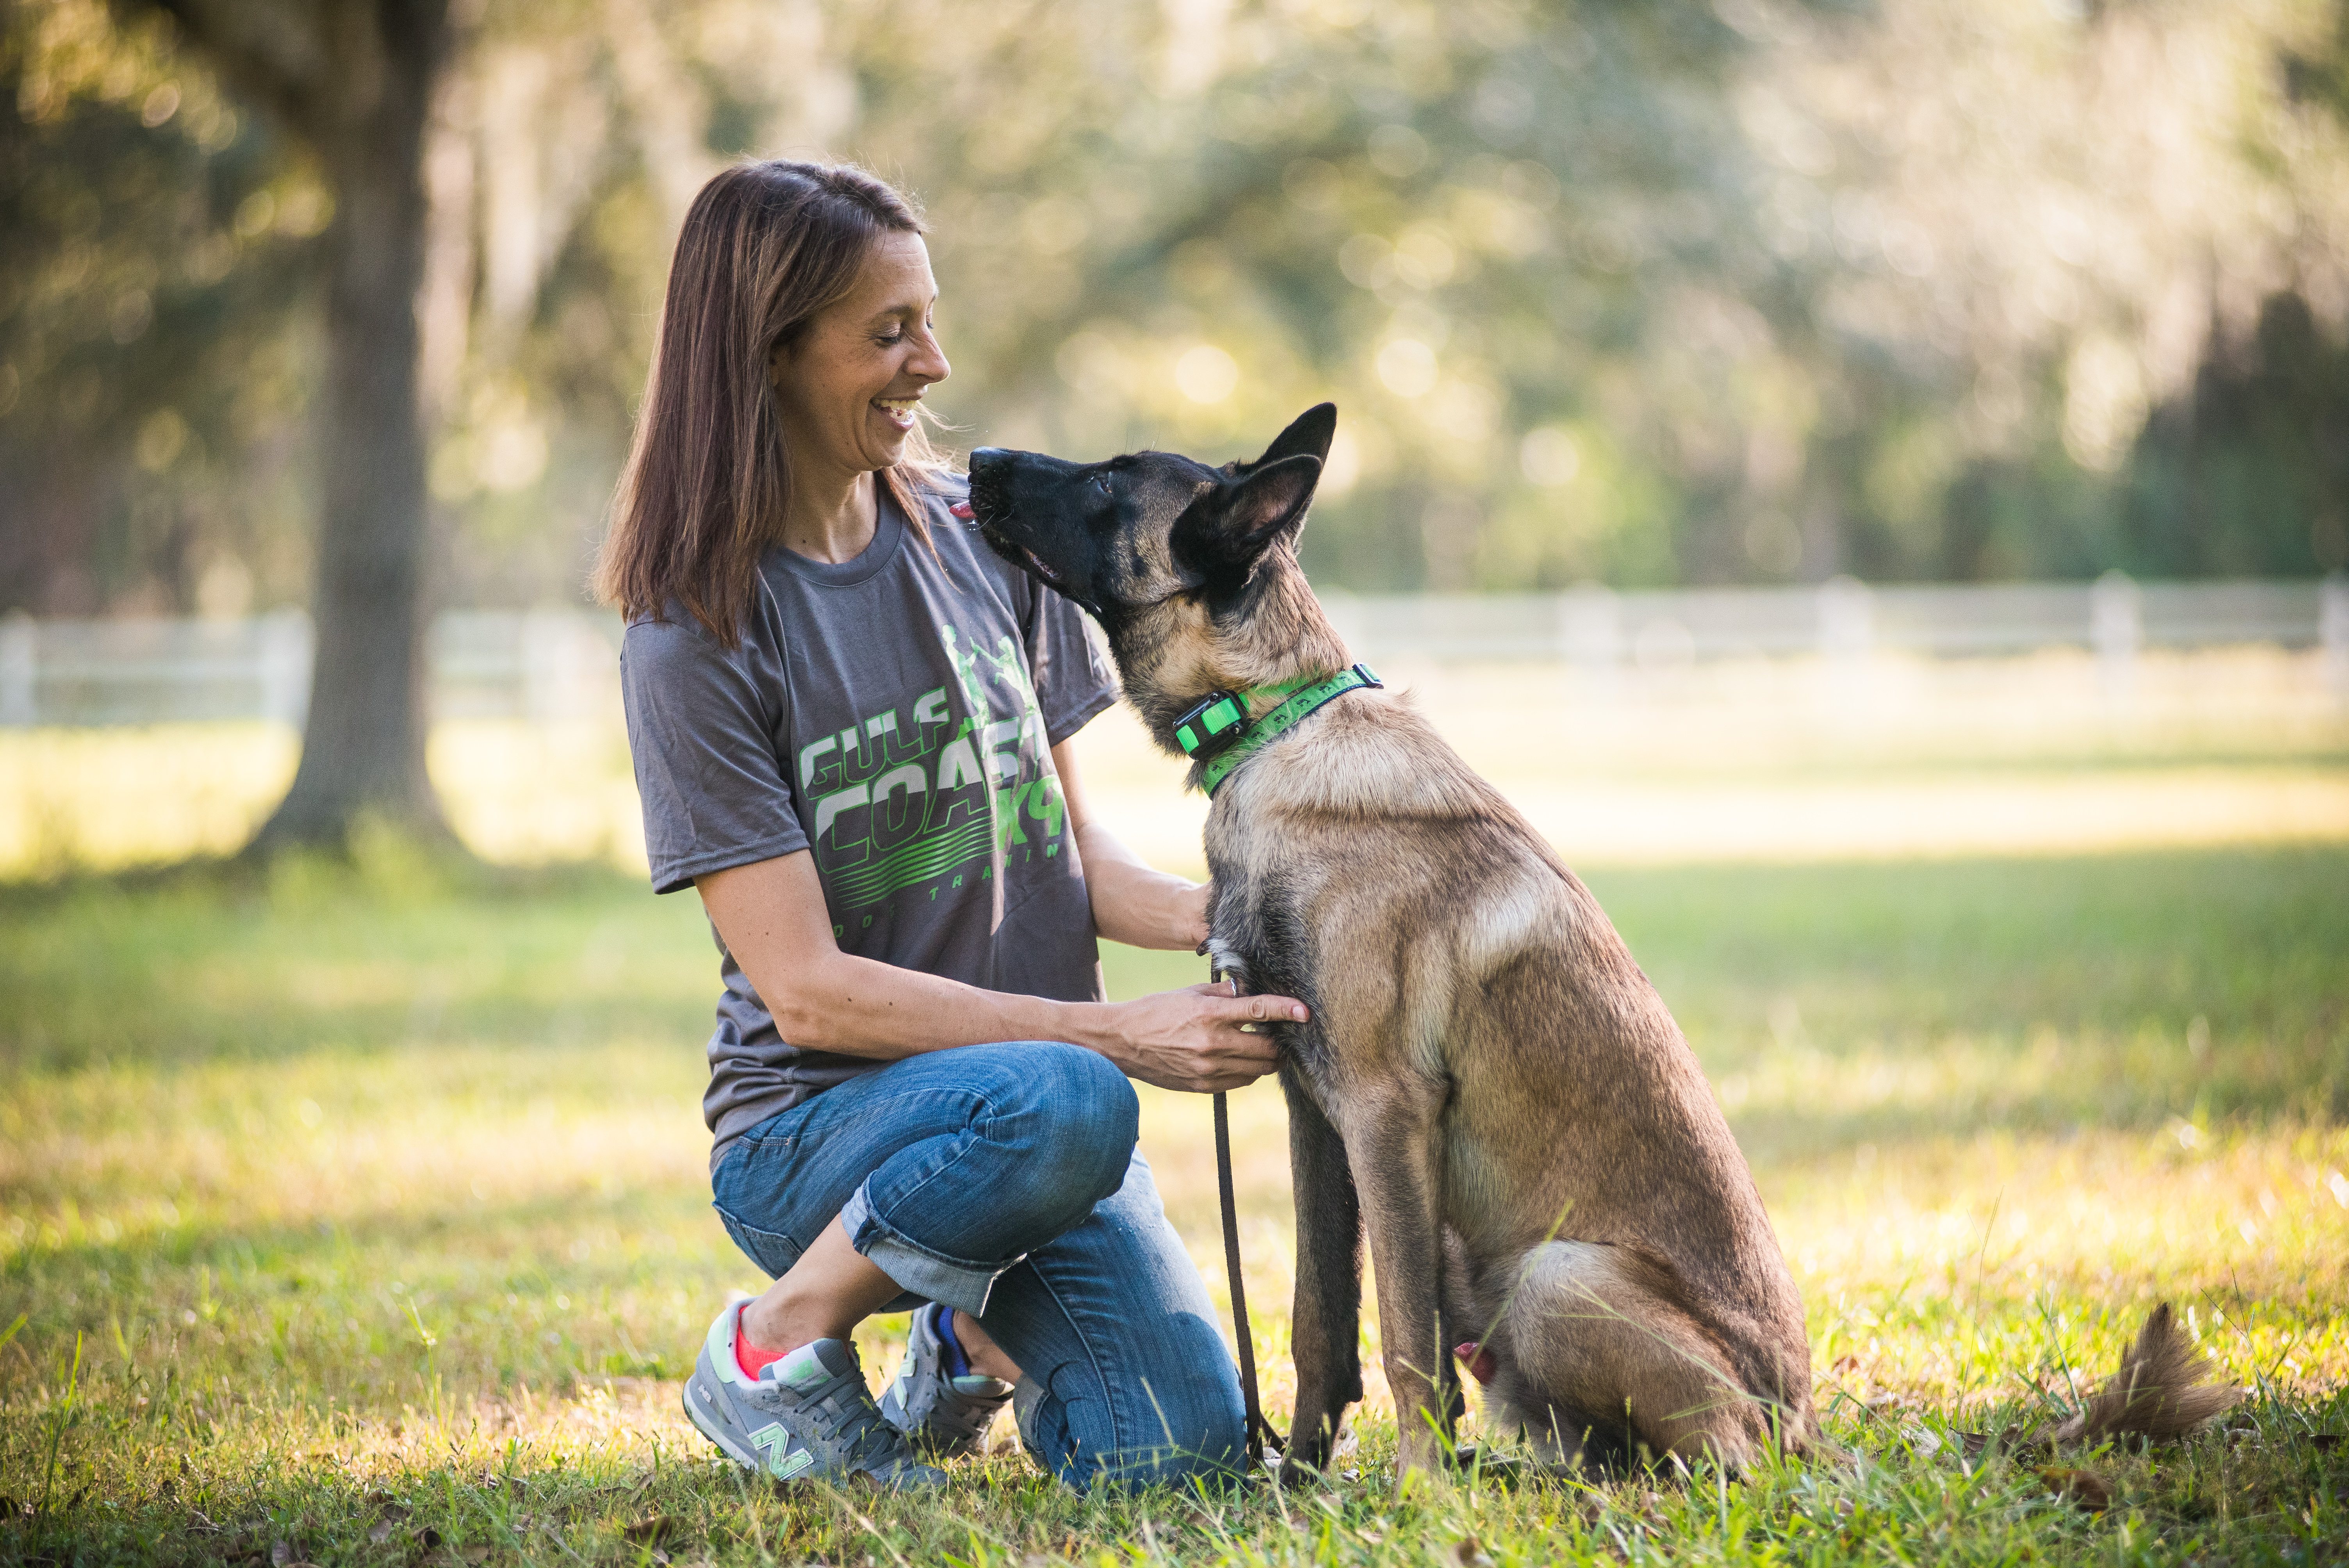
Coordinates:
x,y
1300,702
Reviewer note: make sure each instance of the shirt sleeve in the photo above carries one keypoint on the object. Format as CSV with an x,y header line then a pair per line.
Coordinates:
x,y
702,727
1072,669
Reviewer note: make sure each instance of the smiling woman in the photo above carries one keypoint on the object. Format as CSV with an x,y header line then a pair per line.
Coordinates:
x,y
849,389
856,749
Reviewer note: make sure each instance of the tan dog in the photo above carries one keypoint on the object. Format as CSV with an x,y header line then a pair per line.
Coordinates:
x,y
1488,1081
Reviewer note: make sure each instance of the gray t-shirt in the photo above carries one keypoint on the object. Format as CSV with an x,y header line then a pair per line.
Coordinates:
x,y
894,714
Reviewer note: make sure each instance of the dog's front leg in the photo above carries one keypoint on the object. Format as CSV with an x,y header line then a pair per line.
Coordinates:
x,y
1391,1136
1325,1328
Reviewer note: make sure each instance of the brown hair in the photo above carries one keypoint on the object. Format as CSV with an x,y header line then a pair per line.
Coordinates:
x,y
766,248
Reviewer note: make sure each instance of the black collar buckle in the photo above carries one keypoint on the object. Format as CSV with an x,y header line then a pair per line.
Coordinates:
x,y
1210,725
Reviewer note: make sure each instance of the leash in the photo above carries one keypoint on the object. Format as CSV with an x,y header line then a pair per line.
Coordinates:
x,y
1259,1430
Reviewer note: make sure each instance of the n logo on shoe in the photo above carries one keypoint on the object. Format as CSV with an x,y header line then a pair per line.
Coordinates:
x,y
773,1441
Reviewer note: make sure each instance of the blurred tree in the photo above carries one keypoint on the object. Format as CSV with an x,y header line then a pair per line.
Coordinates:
x,y
2246,474
151,378
353,80
1748,290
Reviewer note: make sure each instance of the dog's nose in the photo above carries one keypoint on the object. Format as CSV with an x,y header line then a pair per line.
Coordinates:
x,y
982,456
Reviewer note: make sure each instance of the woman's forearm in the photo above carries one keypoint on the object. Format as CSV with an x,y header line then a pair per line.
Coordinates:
x,y
1133,901
1136,903
772,917
858,1007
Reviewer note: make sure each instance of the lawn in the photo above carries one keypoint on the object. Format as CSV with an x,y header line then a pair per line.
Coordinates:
x,y
360,1215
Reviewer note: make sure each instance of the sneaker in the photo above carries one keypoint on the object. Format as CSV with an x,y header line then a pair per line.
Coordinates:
x,y
807,1415
946,1415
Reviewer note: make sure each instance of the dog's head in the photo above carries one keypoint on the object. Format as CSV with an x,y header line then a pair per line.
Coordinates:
x,y
1190,570
1123,535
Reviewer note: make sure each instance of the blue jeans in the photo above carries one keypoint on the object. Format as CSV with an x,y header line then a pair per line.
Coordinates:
x,y
1003,1180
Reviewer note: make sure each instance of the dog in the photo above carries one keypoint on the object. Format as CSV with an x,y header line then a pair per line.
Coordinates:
x,y
1488,1085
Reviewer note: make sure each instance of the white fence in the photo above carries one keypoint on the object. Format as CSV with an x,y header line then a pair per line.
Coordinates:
x,y
562,663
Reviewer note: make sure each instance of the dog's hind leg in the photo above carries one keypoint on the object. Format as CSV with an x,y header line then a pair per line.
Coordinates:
x,y
1595,1332
1325,1329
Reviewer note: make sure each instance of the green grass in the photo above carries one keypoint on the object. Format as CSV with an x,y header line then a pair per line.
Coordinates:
x,y
364,1212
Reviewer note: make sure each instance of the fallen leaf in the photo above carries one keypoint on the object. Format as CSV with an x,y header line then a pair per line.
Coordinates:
x,y
2084,1488
651,1532
1470,1553
1922,1440
2323,1440
1846,1363
380,1530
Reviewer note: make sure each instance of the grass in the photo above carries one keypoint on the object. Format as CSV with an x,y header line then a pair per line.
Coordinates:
x,y
360,1216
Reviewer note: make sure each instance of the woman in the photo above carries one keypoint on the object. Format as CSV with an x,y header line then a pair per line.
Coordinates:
x,y
850,722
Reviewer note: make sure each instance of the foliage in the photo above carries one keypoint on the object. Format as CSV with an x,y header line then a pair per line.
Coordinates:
x,y
152,378
374,1196
1650,293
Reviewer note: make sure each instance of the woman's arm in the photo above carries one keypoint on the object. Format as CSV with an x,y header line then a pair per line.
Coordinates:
x,y
772,917
1133,902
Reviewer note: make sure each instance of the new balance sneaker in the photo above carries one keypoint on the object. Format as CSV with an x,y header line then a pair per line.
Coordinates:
x,y
945,1413
806,1415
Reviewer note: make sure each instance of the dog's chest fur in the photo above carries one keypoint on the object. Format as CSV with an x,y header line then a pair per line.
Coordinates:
x,y
1356,861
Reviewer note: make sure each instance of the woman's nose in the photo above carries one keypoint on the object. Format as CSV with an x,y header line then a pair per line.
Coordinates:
x,y
929,361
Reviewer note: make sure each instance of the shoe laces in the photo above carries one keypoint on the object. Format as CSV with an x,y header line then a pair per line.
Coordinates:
x,y
866,1437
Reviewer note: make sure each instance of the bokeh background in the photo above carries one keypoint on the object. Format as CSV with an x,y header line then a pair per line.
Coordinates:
x,y
1870,481
1920,290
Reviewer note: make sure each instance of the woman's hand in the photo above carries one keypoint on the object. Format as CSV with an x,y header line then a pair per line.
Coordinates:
x,y
1201,1039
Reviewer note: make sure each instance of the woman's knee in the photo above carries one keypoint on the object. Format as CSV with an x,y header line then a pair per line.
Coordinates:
x,y
1174,1434
1093,1111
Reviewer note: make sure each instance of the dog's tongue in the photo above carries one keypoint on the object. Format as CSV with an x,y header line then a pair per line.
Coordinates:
x,y
1479,1361
961,509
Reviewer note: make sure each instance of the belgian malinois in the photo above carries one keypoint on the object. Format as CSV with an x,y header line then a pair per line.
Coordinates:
x,y
1488,1079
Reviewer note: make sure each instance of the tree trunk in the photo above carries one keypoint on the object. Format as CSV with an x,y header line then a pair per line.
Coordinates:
x,y
363,749
354,79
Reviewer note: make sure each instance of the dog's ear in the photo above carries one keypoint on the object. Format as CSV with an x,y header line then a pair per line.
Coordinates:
x,y
1221,534
1307,435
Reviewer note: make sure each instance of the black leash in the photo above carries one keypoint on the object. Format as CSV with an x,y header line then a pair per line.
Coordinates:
x,y
1259,1430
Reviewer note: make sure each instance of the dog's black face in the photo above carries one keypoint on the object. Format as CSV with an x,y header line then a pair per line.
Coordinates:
x,y
1121,536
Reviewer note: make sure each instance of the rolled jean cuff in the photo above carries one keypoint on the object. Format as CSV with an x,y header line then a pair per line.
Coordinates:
x,y
955,1282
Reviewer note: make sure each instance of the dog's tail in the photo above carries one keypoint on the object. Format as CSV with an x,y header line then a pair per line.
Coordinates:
x,y
2162,1391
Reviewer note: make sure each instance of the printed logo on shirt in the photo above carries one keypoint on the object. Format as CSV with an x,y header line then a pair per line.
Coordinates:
x,y
936,792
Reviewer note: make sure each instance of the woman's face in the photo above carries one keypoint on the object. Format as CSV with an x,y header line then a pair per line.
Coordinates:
x,y
847,388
